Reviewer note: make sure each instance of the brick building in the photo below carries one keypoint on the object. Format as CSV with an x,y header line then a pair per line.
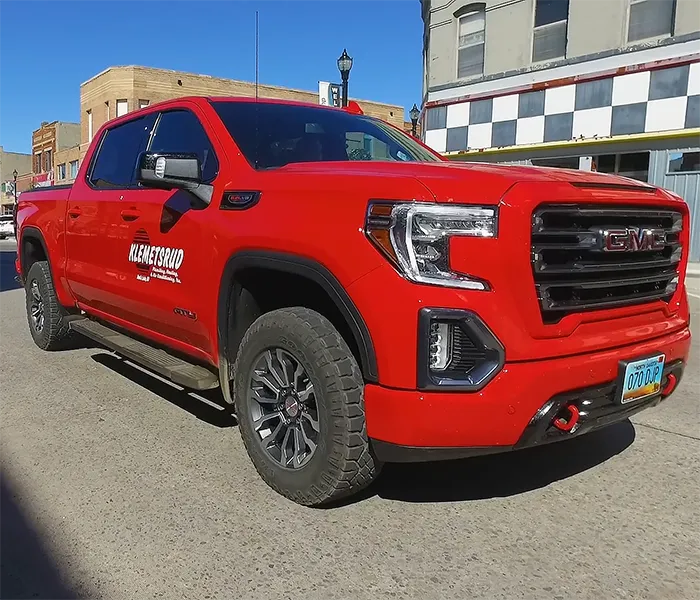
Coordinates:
x,y
9,163
118,90
48,141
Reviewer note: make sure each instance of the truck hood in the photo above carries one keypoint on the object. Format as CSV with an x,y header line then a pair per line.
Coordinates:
x,y
462,182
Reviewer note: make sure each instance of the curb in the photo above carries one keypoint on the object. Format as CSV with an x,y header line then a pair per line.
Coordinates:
x,y
693,270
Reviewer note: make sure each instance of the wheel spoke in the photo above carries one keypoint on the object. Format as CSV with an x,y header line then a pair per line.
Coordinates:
x,y
272,370
258,423
313,422
271,438
309,442
283,447
299,447
283,362
306,392
298,374
264,379
260,399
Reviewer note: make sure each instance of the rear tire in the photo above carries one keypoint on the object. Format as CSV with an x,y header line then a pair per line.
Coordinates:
x,y
315,391
48,320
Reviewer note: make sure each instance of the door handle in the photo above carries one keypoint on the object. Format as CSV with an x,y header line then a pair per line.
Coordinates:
x,y
74,212
130,214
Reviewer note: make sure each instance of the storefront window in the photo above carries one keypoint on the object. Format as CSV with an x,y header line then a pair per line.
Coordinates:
x,y
683,162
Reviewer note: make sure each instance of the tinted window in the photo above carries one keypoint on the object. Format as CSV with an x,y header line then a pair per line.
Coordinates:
x,y
272,135
180,131
115,163
683,162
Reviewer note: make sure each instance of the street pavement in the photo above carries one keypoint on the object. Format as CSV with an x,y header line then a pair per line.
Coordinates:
x,y
118,485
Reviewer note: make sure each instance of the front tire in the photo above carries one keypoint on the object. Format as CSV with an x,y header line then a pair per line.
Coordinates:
x,y
48,320
299,398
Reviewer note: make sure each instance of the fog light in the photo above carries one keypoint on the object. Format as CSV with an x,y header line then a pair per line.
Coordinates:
x,y
439,350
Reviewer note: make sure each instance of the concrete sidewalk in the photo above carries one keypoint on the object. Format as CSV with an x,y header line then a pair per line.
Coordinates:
x,y
693,269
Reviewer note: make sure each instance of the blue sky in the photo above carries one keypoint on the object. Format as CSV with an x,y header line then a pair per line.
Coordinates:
x,y
47,49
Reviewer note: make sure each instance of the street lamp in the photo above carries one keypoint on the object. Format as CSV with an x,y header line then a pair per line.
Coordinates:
x,y
344,66
414,113
14,206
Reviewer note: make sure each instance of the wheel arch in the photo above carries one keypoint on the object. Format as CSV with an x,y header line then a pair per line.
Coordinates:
x,y
230,301
31,236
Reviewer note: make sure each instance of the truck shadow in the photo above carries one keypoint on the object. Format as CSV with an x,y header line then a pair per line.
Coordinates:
x,y
27,569
501,475
208,406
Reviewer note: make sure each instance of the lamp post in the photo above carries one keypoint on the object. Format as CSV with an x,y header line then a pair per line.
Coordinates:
x,y
14,206
344,66
414,113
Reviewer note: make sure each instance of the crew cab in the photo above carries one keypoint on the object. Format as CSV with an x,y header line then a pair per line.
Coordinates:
x,y
357,298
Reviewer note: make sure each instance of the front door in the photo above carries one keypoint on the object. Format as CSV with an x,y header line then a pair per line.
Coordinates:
x,y
167,244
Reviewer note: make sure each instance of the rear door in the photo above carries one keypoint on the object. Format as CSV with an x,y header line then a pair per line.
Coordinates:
x,y
94,225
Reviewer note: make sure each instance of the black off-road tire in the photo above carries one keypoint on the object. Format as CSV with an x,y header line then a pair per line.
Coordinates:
x,y
55,333
343,463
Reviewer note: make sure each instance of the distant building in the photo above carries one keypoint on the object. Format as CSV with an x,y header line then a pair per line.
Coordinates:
x,y
612,85
9,163
47,144
118,90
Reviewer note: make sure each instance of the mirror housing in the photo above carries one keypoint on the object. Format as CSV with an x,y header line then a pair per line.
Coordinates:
x,y
173,171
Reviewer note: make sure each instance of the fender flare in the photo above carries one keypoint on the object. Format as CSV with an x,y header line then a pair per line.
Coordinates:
x,y
297,265
34,233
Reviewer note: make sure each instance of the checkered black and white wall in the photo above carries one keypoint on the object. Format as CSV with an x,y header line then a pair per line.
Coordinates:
x,y
642,102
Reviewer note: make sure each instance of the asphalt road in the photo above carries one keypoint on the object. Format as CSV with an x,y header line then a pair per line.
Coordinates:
x,y
117,485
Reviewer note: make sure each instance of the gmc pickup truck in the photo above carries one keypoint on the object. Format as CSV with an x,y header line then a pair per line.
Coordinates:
x,y
357,298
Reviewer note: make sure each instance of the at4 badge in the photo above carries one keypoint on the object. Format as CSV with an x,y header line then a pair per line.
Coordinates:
x,y
155,262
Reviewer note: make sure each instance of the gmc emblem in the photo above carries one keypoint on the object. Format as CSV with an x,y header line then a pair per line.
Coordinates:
x,y
633,239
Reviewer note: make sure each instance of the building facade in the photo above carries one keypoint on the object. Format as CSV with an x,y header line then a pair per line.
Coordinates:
x,y
48,141
9,163
119,90
607,85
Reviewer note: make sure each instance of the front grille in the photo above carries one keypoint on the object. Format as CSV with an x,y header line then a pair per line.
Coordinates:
x,y
593,257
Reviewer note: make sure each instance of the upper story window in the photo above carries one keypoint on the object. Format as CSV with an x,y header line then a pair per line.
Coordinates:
x,y
470,43
549,39
650,19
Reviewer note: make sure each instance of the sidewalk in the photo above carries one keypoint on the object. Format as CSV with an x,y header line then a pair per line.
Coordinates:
x,y
693,269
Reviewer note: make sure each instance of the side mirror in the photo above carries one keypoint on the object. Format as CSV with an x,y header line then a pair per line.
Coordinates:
x,y
168,171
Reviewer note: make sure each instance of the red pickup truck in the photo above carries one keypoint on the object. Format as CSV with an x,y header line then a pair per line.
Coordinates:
x,y
357,298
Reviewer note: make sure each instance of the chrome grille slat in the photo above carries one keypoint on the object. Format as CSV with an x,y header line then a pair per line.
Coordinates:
x,y
573,270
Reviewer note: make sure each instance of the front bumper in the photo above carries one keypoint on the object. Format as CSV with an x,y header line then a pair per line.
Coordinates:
x,y
516,409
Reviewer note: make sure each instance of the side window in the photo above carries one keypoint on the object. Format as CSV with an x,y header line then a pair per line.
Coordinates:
x,y
181,131
114,165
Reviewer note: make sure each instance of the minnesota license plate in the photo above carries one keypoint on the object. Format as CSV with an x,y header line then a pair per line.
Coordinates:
x,y
641,378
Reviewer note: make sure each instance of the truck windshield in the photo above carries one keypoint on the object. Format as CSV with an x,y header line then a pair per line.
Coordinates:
x,y
273,135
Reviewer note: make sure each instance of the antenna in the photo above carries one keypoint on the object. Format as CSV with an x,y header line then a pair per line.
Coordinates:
x,y
257,55
257,107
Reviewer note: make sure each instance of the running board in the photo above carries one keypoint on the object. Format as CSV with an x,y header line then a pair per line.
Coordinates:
x,y
176,369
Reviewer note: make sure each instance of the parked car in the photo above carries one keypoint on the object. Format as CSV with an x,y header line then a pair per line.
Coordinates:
x,y
7,228
357,298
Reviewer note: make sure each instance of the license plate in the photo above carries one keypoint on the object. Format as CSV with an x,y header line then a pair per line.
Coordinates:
x,y
641,378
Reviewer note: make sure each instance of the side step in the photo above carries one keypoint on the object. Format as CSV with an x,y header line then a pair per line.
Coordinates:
x,y
176,369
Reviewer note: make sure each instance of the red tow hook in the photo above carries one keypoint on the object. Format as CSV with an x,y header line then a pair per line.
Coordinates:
x,y
568,424
671,382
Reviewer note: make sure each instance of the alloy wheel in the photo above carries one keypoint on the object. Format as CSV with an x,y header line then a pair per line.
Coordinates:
x,y
283,408
36,307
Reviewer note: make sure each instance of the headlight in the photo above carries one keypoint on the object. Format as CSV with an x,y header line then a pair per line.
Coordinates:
x,y
415,237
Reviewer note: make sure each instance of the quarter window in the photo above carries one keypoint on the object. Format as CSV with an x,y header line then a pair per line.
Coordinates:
x,y
115,163
549,39
180,131
650,18
470,45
